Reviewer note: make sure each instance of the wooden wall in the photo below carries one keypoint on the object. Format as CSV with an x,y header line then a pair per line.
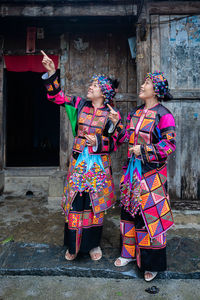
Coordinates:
x,y
175,42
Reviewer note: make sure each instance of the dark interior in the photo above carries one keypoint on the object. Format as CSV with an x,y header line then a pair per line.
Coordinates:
x,y
32,122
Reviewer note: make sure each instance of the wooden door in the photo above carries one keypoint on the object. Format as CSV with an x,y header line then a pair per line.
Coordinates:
x,y
84,55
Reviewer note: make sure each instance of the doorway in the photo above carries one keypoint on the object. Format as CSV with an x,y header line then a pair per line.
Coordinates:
x,y
32,122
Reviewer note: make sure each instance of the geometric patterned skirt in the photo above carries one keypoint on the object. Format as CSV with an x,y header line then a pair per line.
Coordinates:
x,y
83,229
136,243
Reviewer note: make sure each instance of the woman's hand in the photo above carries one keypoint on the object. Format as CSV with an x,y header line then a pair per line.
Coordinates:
x,y
136,150
113,115
48,64
91,140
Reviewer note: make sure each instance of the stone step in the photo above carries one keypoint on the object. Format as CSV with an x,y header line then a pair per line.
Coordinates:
x,y
17,258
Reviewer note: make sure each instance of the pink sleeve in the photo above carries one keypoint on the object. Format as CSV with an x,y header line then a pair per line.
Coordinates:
x,y
60,98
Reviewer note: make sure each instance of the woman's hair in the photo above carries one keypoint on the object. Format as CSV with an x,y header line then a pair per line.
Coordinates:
x,y
108,87
160,85
114,84
167,96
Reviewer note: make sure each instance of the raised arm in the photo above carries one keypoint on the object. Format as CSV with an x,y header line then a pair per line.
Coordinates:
x,y
54,92
48,64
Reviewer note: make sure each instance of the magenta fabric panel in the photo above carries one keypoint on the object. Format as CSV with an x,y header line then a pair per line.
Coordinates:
x,y
166,121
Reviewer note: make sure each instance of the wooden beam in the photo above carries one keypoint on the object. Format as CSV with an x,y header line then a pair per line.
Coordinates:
x,y
68,10
175,7
128,97
74,2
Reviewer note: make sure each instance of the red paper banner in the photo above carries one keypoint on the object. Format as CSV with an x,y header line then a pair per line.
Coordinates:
x,y
30,39
27,63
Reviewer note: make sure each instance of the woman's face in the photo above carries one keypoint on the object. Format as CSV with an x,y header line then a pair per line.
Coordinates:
x,y
147,90
94,91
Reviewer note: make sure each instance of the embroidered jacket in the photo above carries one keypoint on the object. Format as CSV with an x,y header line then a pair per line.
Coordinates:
x,y
89,122
157,138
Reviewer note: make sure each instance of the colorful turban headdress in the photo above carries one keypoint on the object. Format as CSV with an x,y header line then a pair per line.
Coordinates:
x,y
106,87
160,83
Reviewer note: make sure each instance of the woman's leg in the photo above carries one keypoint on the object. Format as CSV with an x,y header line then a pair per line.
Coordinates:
x,y
136,242
151,253
84,229
127,238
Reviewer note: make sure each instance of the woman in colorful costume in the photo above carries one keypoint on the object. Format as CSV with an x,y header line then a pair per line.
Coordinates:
x,y
89,188
146,214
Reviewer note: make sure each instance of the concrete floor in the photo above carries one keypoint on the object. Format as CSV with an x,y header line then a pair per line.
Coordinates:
x,y
31,220
35,221
62,287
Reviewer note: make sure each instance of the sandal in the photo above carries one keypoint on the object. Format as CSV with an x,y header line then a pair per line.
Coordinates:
x,y
153,275
69,256
123,261
94,252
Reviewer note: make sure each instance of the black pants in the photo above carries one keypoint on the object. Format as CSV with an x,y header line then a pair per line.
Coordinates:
x,y
136,243
84,229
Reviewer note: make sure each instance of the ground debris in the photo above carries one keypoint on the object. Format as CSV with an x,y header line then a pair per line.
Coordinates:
x,y
152,290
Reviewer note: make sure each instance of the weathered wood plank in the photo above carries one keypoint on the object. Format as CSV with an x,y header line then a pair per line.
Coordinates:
x,y
117,61
80,50
131,74
190,151
143,63
180,57
172,79
165,55
174,165
100,53
67,10
155,43
174,7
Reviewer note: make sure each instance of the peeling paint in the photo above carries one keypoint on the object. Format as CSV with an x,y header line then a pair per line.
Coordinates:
x,y
180,43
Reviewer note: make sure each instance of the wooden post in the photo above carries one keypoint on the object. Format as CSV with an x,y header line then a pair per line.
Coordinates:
x,y
65,138
2,117
143,47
